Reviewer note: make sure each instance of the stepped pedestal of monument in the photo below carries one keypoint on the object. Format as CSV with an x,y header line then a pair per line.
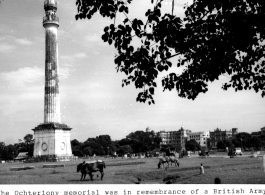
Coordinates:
x,y
52,142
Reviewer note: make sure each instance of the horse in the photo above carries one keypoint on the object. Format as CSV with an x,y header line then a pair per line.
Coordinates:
x,y
162,161
90,167
174,159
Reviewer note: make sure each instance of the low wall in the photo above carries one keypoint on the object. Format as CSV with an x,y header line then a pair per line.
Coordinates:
x,y
53,165
21,168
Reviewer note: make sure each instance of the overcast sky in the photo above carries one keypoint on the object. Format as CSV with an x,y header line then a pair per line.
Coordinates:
x,y
93,101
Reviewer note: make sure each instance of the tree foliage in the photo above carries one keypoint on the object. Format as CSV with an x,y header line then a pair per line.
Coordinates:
x,y
9,152
2,144
221,37
143,141
104,141
92,147
125,149
221,145
227,143
243,139
77,148
192,145
28,138
75,143
135,142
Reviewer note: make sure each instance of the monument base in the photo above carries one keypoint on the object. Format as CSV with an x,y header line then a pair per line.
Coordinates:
x,y
52,142
53,159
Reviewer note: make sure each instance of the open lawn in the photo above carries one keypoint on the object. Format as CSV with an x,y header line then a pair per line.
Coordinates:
x,y
238,170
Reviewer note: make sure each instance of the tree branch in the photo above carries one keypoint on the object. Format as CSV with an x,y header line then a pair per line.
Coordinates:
x,y
172,7
127,18
167,58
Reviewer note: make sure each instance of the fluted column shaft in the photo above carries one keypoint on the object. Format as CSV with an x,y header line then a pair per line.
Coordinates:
x,y
52,97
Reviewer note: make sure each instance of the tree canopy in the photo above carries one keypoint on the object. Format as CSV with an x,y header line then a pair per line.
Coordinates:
x,y
125,149
243,140
28,138
141,141
192,145
135,142
221,37
9,152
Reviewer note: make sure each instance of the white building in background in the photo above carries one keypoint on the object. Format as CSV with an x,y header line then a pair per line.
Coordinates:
x,y
168,137
174,138
147,129
200,137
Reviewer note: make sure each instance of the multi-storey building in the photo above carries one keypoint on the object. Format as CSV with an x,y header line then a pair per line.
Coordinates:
x,y
175,138
200,137
180,137
234,131
262,131
168,137
183,137
218,135
258,133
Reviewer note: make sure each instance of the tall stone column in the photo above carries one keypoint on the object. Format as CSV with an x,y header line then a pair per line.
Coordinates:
x,y
52,138
52,97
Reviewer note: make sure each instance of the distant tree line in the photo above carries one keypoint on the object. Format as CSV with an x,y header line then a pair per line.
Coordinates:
x,y
135,142
244,140
9,152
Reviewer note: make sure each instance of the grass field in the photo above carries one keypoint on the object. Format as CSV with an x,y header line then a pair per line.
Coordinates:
x,y
238,170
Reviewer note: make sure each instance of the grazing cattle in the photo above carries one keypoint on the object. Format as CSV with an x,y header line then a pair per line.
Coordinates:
x,y
162,161
174,159
90,167
203,154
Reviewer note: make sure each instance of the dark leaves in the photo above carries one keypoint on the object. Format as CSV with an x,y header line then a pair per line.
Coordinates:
x,y
217,38
105,37
151,90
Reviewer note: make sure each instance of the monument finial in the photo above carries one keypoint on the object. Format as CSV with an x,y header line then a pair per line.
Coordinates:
x,y
50,7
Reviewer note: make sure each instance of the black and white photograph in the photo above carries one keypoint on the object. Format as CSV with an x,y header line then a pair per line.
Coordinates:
x,y
140,92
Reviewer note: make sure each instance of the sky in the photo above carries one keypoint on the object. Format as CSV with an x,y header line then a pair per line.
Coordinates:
x,y
93,101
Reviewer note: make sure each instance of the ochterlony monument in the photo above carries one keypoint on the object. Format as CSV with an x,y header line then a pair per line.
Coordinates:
x,y
52,138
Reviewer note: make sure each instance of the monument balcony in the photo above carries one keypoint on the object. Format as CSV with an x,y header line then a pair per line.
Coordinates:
x,y
50,20
50,5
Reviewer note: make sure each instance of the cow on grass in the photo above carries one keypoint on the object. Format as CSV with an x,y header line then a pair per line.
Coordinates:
x,y
90,167
168,159
174,159
162,161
